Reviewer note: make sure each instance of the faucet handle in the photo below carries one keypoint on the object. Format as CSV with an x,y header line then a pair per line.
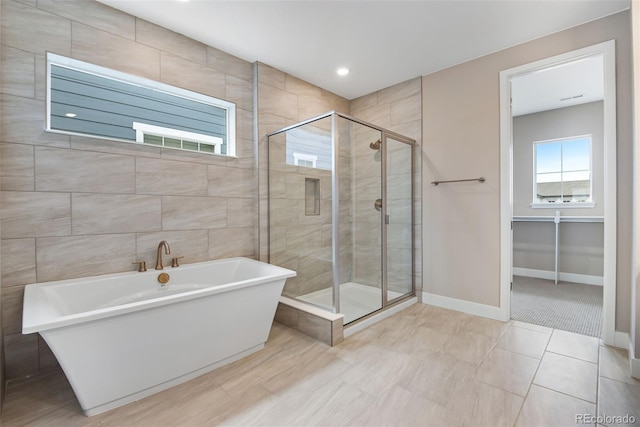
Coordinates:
x,y
142,266
175,262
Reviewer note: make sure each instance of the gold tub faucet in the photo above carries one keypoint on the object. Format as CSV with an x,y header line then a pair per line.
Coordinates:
x,y
167,251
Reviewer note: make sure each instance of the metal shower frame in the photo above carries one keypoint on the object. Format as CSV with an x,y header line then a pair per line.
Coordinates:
x,y
335,206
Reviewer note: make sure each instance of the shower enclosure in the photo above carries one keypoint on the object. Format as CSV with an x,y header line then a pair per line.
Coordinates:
x,y
341,213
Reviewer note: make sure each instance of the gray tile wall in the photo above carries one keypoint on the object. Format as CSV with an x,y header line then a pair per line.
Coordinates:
x,y
74,206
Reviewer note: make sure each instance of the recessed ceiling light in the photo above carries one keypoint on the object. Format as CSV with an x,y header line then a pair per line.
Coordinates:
x,y
71,115
343,71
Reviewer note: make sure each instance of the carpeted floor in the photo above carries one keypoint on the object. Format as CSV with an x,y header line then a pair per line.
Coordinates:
x,y
568,306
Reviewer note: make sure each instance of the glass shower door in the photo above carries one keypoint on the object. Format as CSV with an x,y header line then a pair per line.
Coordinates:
x,y
360,226
340,213
399,218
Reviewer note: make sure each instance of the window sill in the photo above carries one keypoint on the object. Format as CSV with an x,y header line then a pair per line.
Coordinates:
x,y
584,205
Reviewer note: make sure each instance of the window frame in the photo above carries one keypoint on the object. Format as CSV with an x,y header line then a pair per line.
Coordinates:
x,y
536,204
108,73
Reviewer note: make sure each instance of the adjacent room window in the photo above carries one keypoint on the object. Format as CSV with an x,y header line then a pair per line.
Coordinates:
x,y
309,146
306,160
562,172
85,99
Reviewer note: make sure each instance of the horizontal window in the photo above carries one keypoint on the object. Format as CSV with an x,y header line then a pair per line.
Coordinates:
x,y
89,100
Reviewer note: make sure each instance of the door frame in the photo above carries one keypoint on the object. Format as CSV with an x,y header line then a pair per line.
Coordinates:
x,y
385,242
607,50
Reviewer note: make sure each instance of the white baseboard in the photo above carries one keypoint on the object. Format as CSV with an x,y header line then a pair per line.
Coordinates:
x,y
464,306
565,277
635,368
623,340
634,363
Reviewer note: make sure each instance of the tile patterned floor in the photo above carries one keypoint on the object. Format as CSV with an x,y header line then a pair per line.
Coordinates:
x,y
425,366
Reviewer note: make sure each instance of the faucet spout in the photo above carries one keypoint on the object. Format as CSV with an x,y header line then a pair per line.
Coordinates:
x,y
167,251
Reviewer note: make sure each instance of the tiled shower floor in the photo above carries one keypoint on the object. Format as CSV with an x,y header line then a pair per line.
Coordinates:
x,y
356,300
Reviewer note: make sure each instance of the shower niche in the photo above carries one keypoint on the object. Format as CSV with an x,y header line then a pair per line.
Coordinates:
x,y
341,214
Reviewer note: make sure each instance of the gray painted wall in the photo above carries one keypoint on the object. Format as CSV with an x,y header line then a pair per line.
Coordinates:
x,y
581,245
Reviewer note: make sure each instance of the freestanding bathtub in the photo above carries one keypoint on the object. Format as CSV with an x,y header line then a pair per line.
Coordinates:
x,y
121,337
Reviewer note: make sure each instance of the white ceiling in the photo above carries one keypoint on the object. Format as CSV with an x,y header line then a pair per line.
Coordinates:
x,y
381,42
565,85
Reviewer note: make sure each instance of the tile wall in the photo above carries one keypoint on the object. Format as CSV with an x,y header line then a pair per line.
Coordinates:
x,y
298,240
397,108
284,100
74,206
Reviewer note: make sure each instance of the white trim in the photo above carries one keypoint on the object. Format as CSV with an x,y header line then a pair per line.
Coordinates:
x,y
621,340
464,306
563,205
356,327
607,50
635,368
588,204
585,279
506,195
634,363
624,341
635,231
549,218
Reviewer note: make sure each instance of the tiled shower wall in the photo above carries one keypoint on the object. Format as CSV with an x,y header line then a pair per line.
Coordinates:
x,y
304,241
397,108
300,240
74,206
285,100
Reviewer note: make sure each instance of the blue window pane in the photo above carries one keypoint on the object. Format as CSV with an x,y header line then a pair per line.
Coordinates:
x,y
548,157
576,155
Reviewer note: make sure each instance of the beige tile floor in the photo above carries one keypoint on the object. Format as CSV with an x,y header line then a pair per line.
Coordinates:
x,y
425,366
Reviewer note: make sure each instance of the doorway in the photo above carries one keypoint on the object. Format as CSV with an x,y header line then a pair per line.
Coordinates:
x,y
558,190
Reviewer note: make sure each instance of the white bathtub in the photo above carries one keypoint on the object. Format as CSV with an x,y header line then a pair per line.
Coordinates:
x,y
121,337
